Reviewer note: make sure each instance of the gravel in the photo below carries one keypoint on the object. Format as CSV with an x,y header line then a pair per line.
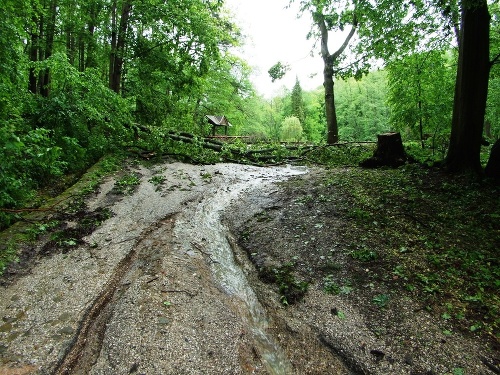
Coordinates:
x,y
148,292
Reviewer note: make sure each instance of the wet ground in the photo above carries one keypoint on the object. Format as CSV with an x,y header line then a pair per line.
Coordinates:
x,y
168,281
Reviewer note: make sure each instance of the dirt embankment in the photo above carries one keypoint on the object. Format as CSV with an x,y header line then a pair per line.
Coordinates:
x,y
161,286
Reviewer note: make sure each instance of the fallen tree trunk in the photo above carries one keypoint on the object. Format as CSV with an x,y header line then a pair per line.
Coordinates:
x,y
192,140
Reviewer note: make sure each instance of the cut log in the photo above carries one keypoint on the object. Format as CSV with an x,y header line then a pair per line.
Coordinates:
x,y
390,152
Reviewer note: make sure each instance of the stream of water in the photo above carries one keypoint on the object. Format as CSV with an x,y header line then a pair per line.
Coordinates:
x,y
207,221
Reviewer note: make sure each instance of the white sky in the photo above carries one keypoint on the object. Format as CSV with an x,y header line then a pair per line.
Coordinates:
x,y
275,34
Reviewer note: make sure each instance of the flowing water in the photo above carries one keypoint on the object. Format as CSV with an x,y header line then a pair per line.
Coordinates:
x,y
206,220
130,303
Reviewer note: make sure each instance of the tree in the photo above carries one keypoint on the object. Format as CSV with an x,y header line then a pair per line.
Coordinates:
x,y
118,44
314,106
362,110
420,95
377,29
42,29
274,118
471,88
330,62
291,129
298,105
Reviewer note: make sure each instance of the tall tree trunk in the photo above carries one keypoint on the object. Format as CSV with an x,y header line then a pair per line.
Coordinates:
x,y
49,46
331,113
35,40
112,53
91,59
117,69
471,89
41,49
329,61
70,34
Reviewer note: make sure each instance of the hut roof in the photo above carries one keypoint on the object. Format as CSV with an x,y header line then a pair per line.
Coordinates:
x,y
218,120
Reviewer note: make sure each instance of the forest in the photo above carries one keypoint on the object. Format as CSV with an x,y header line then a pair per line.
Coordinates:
x,y
121,89
84,79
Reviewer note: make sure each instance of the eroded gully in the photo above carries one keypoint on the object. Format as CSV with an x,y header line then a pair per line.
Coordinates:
x,y
206,221
155,290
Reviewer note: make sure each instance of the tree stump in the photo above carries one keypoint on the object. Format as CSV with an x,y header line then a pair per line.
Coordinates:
x,y
493,167
389,152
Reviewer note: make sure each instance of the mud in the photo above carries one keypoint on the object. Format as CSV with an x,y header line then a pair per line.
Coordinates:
x,y
163,286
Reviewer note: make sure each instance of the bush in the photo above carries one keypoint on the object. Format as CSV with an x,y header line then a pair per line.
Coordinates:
x,y
80,121
87,119
27,161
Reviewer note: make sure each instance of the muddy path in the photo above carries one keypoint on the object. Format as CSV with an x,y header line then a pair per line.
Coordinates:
x,y
169,283
158,288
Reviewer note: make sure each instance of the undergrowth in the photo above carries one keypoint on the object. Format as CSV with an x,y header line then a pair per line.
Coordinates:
x,y
33,215
434,235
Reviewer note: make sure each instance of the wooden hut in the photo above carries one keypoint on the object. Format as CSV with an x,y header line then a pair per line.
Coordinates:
x,y
218,122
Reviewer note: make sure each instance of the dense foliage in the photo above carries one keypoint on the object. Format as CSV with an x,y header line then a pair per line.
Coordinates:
x,y
421,97
79,80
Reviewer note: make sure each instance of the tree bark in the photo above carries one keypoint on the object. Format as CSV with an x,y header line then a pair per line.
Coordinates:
x,y
331,112
49,45
40,47
35,40
112,46
329,61
119,50
389,152
91,47
471,89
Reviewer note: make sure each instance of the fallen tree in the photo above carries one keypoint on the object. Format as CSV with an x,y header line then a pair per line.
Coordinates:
x,y
269,155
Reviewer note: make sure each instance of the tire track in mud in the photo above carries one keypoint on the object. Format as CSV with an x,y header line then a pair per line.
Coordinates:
x,y
141,260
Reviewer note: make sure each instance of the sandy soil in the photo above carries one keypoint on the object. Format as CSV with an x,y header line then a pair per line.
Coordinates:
x,y
173,283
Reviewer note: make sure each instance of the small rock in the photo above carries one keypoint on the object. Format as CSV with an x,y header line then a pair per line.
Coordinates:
x,y
163,321
134,368
7,327
64,317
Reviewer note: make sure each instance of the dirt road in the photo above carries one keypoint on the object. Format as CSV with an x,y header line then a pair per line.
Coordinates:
x,y
154,290
161,287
